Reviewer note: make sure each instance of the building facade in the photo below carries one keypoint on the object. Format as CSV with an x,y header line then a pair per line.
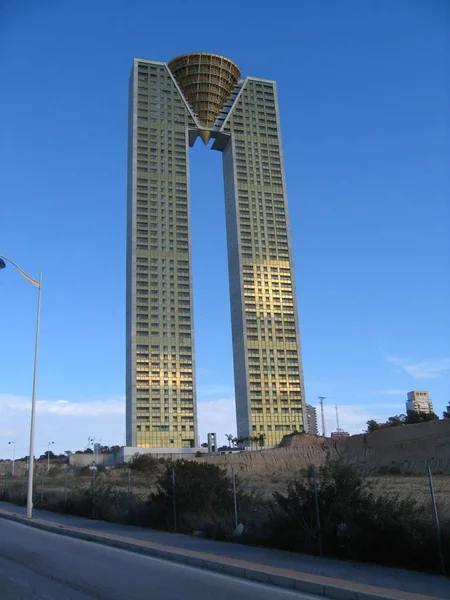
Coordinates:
x,y
171,105
419,401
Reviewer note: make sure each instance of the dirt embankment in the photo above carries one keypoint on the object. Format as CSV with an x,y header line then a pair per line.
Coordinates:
x,y
404,450
286,460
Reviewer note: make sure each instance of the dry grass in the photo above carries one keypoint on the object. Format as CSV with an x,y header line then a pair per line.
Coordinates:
x,y
262,472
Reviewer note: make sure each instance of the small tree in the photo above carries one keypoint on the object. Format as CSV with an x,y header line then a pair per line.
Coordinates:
x,y
396,421
373,425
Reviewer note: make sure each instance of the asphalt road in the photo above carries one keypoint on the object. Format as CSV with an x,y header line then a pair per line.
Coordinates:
x,y
35,564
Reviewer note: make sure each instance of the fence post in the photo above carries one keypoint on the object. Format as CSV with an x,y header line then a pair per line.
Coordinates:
x,y
65,490
5,485
436,520
42,486
94,468
174,502
129,494
316,500
233,481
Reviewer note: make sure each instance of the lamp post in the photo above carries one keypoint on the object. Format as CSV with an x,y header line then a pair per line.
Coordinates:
x,y
48,455
37,284
91,445
13,443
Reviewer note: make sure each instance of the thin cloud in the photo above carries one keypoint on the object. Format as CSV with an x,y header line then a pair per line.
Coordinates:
x,y
62,407
391,392
427,369
65,422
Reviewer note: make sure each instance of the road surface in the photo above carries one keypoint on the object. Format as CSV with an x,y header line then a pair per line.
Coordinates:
x,y
37,565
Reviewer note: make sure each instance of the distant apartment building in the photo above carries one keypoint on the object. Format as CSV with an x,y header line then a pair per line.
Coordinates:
x,y
312,419
419,401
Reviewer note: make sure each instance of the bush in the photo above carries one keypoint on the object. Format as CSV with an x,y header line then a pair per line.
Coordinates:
x,y
204,499
355,524
144,463
83,472
54,471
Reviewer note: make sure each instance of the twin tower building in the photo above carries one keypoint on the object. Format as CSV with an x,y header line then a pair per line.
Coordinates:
x,y
202,95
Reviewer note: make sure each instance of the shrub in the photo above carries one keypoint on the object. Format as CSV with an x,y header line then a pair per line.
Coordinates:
x,y
355,524
83,472
54,471
203,497
143,463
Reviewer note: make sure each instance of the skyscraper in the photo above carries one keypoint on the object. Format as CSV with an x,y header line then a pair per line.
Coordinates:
x,y
171,105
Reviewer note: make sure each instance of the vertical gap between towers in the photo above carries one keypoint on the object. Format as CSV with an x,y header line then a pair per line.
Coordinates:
x,y
212,321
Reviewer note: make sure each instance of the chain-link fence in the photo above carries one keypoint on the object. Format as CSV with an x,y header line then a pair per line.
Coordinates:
x,y
127,495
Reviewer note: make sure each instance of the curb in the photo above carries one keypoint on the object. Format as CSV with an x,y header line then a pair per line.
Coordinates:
x,y
312,584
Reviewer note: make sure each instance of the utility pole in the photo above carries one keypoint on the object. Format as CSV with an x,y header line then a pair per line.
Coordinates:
x,y
321,399
337,418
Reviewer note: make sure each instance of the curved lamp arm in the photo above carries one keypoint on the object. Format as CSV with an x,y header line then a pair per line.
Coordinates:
x,y
34,282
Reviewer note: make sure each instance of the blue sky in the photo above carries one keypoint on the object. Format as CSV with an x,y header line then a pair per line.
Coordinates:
x,y
364,92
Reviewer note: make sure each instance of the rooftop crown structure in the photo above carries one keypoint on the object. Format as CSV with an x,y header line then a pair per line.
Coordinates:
x,y
171,104
207,81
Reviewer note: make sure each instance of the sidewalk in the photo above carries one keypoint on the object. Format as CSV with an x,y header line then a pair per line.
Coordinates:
x,y
326,577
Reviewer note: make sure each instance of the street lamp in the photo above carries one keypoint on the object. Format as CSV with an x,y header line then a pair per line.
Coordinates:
x,y
14,455
38,284
48,455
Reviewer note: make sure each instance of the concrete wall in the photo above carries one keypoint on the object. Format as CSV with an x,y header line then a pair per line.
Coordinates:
x,y
86,459
127,453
